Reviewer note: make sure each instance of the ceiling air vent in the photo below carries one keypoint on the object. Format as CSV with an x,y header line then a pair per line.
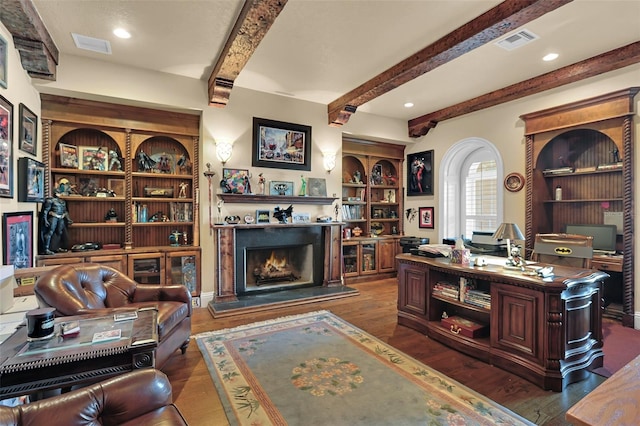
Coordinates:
x,y
516,40
93,44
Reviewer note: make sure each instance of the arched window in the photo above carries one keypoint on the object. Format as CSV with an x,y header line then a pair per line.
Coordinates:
x,y
471,177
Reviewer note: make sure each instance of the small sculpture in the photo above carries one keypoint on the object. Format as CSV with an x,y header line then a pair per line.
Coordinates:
x,y
303,186
145,163
283,215
183,190
357,177
111,215
114,161
261,183
55,219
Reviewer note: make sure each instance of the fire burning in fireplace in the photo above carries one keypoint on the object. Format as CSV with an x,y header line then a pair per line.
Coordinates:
x,y
274,268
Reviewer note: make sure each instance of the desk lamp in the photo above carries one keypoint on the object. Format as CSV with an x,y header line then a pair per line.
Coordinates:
x,y
508,231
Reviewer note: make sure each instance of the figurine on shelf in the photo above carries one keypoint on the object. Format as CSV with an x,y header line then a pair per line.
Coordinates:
x,y
55,219
247,184
114,161
183,190
111,216
616,155
303,186
145,163
261,183
283,215
357,177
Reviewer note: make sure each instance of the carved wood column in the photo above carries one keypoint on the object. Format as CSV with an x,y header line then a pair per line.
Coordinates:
x,y
225,290
333,255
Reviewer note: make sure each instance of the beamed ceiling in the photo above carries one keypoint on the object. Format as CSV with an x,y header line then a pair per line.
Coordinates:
x,y
352,55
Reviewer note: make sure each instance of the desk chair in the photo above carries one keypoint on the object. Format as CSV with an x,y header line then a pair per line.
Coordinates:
x,y
563,249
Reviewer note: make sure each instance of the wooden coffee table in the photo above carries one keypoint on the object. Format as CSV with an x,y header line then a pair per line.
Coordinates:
x,y
28,367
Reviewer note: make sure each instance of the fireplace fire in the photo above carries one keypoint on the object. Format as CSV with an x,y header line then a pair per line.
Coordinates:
x,y
274,269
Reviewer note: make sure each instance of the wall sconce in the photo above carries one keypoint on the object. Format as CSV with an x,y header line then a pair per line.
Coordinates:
x,y
329,161
224,151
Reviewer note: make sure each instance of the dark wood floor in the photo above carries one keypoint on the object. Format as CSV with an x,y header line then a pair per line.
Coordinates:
x,y
374,311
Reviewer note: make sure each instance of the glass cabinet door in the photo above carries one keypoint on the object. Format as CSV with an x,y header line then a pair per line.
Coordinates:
x,y
369,256
147,268
184,269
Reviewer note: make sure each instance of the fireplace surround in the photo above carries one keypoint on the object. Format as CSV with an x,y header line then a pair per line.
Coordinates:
x,y
319,242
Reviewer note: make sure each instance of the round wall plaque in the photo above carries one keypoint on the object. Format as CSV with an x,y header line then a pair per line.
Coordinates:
x,y
514,182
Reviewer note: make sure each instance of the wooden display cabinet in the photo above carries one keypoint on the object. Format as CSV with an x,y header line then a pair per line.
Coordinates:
x,y
586,148
372,200
117,159
547,331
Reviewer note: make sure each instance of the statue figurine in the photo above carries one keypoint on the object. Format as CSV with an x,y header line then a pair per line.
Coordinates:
x,y
303,186
55,219
183,190
111,215
114,161
261,183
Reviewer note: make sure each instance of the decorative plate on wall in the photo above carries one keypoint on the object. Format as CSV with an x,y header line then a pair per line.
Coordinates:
x,y
514,182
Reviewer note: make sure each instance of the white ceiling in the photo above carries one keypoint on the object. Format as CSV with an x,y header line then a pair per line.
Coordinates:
x,y
318,50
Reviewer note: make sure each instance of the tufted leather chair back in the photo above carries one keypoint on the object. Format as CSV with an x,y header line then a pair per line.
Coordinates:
x,y
136,398
72,288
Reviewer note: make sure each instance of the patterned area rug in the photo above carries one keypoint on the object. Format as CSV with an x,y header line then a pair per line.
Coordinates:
x,y
317,369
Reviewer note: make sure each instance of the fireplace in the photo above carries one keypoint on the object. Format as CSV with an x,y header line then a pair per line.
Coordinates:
x,y
310,252
271,260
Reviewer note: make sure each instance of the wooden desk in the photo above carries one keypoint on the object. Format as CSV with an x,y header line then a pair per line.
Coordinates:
x,y
548,331
616,401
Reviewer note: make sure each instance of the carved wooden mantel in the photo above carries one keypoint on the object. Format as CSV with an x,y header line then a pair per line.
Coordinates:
x,y
225,238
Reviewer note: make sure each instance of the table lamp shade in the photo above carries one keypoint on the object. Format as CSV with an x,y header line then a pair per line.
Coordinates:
x,y
508,231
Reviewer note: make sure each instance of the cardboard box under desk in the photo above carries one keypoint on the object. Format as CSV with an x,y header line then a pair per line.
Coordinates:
x,y
465,327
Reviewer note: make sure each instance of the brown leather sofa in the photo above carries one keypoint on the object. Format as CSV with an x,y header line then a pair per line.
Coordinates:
x,y
92,288
141,397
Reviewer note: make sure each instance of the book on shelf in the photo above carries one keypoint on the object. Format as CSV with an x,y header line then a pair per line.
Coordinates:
x,y
585,169
558,171
610,166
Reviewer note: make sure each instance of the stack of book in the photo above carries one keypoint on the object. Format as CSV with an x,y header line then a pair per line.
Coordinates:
x,y
611,166
558,171
478,298
445,289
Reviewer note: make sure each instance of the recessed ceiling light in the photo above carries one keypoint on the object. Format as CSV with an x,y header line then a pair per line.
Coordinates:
x,y
408,105
550,57
122,33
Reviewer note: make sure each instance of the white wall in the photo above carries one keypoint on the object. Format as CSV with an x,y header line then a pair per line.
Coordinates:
x,y
19,90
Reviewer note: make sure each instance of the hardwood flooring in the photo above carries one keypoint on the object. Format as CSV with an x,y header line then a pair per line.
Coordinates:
x,y
374,311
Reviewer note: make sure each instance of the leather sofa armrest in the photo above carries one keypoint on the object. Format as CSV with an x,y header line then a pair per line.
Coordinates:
x,y
112,402
175,293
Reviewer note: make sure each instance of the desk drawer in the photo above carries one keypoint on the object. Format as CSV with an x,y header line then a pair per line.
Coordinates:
x,y
614,265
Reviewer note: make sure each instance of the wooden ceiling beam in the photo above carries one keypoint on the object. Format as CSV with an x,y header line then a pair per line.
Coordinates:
x,y
255,19
38,52
609,61
487,27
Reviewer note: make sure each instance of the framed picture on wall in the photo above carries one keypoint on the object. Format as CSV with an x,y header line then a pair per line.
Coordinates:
x,y
17,239
426,218
30,180
281,145
6,148
28,130
420,173
3,62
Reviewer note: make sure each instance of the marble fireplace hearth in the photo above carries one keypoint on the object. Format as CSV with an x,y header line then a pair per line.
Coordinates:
x,y
236,291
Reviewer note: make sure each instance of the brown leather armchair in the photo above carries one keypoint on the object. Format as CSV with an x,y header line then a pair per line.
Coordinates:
x,y
92,288
141,397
